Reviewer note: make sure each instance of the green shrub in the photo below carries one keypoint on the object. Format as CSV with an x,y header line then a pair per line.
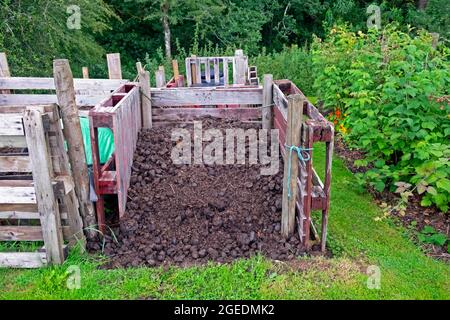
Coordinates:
x,y
390,89
291,63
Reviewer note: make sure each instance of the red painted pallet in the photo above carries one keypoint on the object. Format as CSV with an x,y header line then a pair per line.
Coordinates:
x,y
313,194
121,112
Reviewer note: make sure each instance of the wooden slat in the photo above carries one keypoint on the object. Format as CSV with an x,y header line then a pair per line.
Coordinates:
x,y
22,259
206,96
11,125
114,66
225,72
16,194
21,233
42,175
21,83
189,114
216,72
13,142
74,157
294,121
39,99
15,164
27,233
267,101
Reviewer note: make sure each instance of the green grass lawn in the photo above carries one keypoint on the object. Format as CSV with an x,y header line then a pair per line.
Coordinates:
x,y
356,239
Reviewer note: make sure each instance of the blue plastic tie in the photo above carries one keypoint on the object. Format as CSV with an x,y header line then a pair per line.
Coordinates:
x,y
300,153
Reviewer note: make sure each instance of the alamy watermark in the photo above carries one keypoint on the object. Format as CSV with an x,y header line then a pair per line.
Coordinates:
x,y
374,277
229,149
74,19
374,20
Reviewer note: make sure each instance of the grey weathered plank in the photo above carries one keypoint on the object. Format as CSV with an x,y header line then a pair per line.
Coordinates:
x,y
114,65
11,125
22,259
189,114
40,99
74,138
13,142
23,83
267,101
294,122
42,176
17,195
206,96
15,164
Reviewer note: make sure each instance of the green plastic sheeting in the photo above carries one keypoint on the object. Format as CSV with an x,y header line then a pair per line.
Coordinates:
x,y
105,141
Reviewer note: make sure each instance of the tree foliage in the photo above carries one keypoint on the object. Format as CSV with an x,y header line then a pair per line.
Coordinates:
x,y
34,32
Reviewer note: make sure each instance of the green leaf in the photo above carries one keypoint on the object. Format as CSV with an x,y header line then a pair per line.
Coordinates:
x,y
432,191
379,186
439,239
443,184
428,230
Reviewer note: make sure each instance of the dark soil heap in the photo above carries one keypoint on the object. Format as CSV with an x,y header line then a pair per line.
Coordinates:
x,y
190,214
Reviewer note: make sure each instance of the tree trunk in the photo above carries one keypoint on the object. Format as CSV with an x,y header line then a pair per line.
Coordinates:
x,y
166,27
422,4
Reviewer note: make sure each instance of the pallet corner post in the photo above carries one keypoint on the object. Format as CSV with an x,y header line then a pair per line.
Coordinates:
x,y
42,174
294,122
4,70
146,103
85,71
267,102
160,77
114,66
72,131
240,67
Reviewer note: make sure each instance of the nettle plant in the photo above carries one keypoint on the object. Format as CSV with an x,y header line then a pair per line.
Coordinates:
x,y
394,90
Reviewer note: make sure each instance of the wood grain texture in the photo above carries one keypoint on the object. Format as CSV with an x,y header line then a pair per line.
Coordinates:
x,y
42,177
33,83
114,65
23,259
4,70
206,96
15,164
294,121
11,125
41,99
73,136
267,101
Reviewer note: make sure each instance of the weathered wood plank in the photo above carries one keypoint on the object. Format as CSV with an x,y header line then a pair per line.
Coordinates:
x,y
42,176
17,195
4,70
15,164
86,84
294,121
189,114
206,96
114,65
144,85
74,138
28,233
21,233
40,99
11,125
22,259
267,102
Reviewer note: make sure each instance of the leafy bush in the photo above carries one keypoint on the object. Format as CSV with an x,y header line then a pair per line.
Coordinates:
x,y
392,90
292,63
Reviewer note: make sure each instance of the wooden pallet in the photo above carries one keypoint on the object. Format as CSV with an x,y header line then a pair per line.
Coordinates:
x,y
121,112
313,194
38,188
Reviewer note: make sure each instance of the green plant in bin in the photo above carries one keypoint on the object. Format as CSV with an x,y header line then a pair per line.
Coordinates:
x,y
394,89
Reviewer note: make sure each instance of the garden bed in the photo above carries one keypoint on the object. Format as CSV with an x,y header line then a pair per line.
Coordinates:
x,y
191,214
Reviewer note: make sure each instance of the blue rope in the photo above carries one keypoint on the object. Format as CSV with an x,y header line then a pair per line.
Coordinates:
x,y
300,151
